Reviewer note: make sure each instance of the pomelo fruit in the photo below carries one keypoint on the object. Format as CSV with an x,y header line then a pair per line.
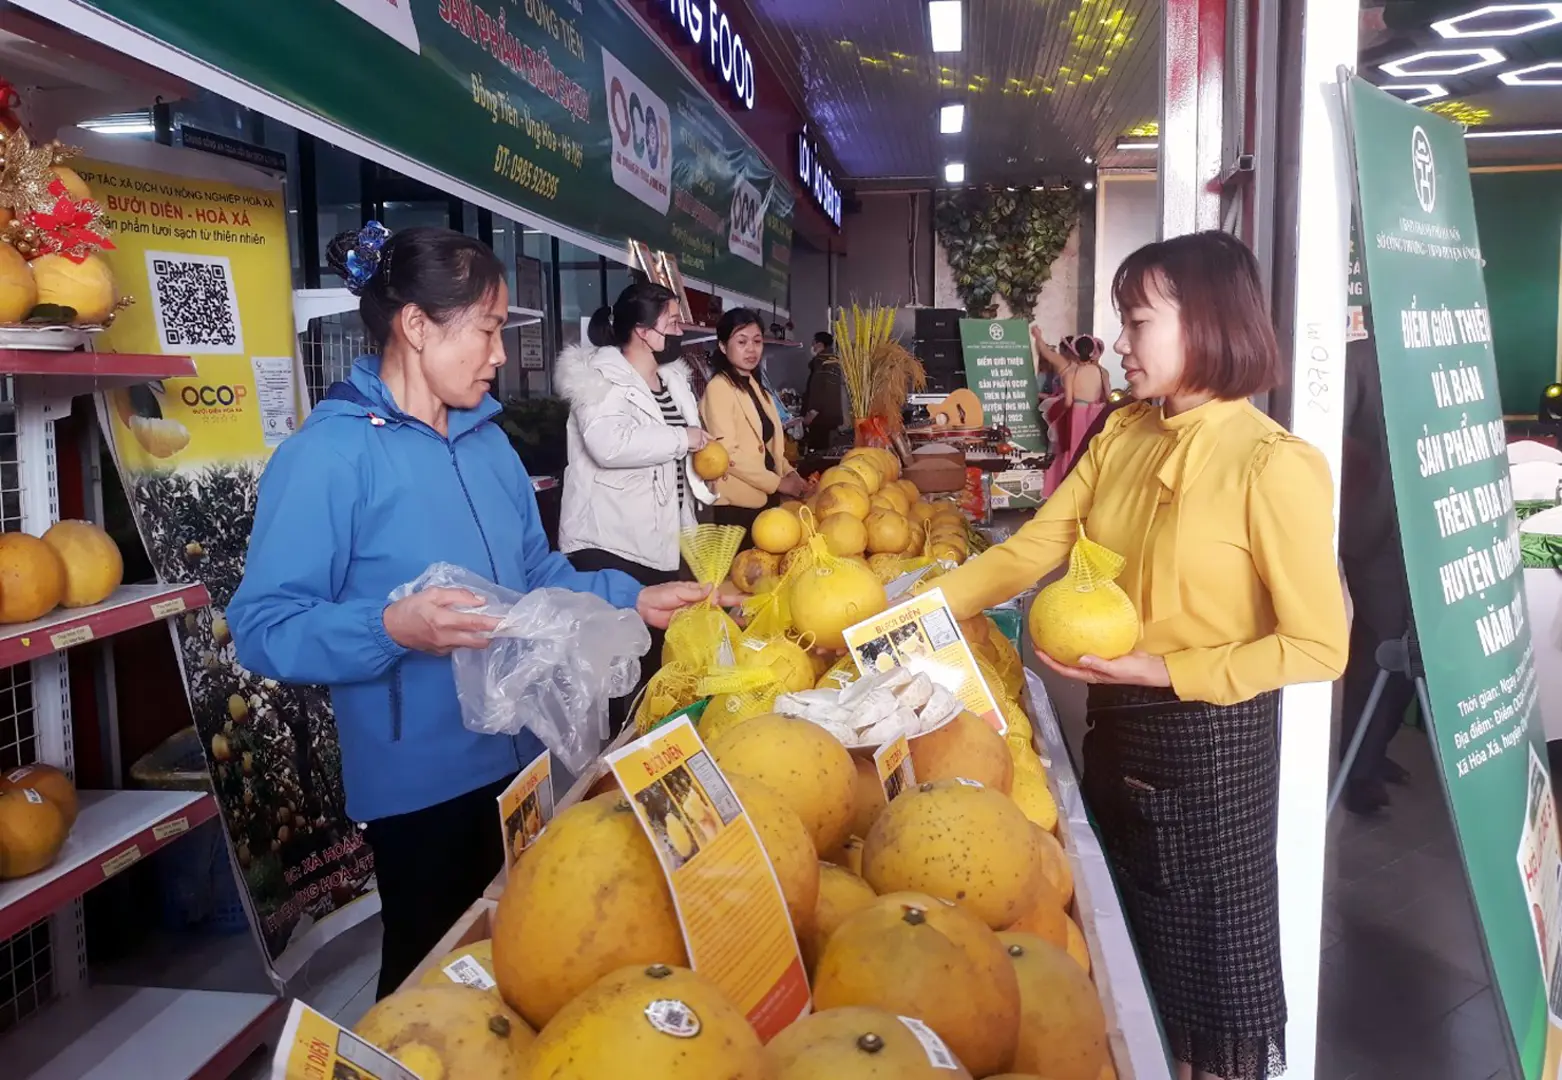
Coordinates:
x,y
32,578
916,534
694,634
18,289
93,565
868,796
711,461
588,898
776,531
861,1043
888,532
842,499
801,760
848,856
967,747
48,781
1045,916
1062,1029
844,535
754,570
1031,794
827,599
794,507
789,660
922,513
872,478
1055,863
966,844
1076,946
32,831
448,1033
653,1021
87,286
802,554
1085,613
837,475
841,895
886,567
890,497
913,956
479,954
787,844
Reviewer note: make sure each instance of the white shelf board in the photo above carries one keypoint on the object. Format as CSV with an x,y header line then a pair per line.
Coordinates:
x,y
128,607
124,1032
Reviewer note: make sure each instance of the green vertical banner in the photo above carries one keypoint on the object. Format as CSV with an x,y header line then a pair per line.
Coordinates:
x,y
1000,370
1448,453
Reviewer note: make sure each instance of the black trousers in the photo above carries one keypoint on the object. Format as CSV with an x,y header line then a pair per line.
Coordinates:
x,y
590,559
431,864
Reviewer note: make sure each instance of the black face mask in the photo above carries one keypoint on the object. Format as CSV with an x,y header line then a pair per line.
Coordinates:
x,y
671,350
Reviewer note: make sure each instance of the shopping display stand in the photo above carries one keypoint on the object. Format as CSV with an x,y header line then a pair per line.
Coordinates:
x,y
62,1026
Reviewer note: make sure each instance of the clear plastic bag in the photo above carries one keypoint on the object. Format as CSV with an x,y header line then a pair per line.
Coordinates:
x,y
556,659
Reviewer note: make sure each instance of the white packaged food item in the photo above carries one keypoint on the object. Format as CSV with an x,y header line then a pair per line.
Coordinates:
x,y
875,709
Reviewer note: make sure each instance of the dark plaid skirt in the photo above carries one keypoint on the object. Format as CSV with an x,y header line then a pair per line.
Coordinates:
x,y
1187,796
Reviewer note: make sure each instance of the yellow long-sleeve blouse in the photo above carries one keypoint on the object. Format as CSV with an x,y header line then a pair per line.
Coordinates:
x,y
1226,522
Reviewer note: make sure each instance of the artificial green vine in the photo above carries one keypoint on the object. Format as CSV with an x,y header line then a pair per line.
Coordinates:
x,y
1003,243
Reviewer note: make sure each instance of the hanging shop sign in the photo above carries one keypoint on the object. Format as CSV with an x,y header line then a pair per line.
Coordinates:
x,y
707,28
567,109
1447,450
817,180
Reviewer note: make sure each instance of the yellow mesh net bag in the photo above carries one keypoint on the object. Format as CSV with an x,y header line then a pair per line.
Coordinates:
x,y
828,594
736,694
1085,614
674,687
696,634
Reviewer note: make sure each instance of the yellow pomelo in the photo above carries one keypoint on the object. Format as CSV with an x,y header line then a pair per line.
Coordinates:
x,y
794,507
793,557
888,532
960,842
848,856
827,599
1046,916
922,512
75,186
1024,758
723,713
587,898
755,570
48,781
890,497
946,552
841,895
655,1021
786,658
872,478
32,831
913,955
844,534
968,748
711,461
910,488
18,289
1068,621
787,844
867,796
1062,1028
838,475
32,578
776,531
87,286
449,1032
1034,798
1076,946
480,953
842,499
886,567
801,760
1055,863
916,538
695,634
857,1043
93,566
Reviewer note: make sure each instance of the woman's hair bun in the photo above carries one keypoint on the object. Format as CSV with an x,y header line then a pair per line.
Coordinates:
x,y
359,255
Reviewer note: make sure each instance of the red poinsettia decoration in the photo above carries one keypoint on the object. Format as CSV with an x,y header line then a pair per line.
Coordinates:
x,y
74,228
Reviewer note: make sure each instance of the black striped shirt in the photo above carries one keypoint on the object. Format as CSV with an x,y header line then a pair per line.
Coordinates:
x,y
673,417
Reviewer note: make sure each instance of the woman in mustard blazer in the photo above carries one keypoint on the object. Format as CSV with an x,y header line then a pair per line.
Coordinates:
x,y
740,414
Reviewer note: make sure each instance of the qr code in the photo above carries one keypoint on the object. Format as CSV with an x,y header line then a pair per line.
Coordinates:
x,y
939,629
194,302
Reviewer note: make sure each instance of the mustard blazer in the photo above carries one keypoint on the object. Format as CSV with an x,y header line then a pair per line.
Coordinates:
x,y
728,414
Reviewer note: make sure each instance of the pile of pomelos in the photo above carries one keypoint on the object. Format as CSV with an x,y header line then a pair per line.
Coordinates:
x,y
935,930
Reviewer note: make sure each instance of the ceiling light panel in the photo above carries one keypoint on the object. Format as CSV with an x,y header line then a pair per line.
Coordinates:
x,y
951,119
1523,133
1415,93
1432,63
1547,74
944,21
1500,20
954,173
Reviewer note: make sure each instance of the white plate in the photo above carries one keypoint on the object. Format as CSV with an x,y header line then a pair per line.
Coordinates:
x,y
54,338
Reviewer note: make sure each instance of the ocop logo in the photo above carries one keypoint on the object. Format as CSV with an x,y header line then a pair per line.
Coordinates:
x,y
638,126
212,396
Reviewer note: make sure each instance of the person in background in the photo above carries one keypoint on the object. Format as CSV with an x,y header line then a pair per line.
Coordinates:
x,y
401,466
741,413
824,410
1081,395
1226,524
633,424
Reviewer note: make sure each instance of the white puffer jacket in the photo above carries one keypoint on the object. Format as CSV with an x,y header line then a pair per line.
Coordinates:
x,y
621,484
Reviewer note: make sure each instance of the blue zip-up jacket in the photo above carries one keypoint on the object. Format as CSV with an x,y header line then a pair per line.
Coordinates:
x,y
362,499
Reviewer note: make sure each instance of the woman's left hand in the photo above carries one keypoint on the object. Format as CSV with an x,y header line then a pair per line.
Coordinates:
x,y
1135,669
659,603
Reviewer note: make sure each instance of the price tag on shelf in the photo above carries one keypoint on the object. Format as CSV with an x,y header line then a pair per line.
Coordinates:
x,y
127,858
164,608
76,635
173,827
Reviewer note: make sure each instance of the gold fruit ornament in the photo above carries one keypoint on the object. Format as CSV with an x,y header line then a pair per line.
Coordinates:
x,y
1062,1028
913,955
18,289
960,842
787,845
888,532
711,461
801,760
776,531
1085,613
48,781
754,570
967,747
32,578
75,186
654,1021
861,1043
842,499
479,955
159,437
844,534
87,286
449,1032
841,895
32,831
830,596
587,898
93,565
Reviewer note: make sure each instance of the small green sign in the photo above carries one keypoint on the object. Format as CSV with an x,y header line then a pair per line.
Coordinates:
x,y
1448,454
1000,370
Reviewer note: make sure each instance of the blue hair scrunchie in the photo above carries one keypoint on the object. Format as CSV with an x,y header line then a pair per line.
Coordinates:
x,y
366,257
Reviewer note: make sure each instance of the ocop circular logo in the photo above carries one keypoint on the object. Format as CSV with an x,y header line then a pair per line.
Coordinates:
x,y
638,127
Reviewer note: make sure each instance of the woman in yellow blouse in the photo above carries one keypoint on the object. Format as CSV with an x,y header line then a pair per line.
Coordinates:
x,y
1226,522
739,413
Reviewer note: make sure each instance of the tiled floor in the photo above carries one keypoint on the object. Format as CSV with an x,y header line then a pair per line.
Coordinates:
x,y
1404,990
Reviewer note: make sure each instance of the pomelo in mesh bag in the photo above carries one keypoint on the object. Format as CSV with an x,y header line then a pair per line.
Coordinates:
x,y
696,634
1085,614
831,594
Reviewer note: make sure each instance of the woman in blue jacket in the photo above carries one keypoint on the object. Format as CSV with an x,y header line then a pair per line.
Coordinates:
x,y
400,467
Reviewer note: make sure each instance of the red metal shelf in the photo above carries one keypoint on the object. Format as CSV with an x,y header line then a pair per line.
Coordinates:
x,y
129,607
88,371
113,831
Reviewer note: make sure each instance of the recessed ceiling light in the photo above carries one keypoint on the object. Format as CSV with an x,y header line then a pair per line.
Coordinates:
x,y
1138,144
944,25
1489,21
954,172
951,119
1417,92
1524,133
1519,77
1090,185
1425,63
1089,160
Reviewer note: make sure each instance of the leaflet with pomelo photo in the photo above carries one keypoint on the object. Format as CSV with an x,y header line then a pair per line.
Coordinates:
x,y
314,1048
